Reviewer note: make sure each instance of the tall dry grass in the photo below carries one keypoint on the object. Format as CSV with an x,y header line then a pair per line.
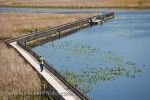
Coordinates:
x,y
79,3
13,24
15,73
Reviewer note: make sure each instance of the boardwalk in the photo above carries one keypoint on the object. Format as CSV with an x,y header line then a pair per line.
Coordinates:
x,y
53,80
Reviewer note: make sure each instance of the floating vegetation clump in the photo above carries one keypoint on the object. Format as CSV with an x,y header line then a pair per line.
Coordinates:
x,y
77,48
90,76
85,49
98,65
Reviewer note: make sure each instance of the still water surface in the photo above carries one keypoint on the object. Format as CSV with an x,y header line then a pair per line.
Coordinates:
x,y
109,61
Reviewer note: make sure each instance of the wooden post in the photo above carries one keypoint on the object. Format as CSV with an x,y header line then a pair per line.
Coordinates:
x,y
113,15
59,34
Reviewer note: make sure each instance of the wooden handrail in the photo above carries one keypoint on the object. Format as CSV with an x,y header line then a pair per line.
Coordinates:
x,y
55,72
21,39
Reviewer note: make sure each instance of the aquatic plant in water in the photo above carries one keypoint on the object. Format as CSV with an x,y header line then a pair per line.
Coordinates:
x,y
90,76
77,48
100,65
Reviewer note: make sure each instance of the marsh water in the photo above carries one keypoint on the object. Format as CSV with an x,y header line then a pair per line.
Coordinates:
x,y
109,61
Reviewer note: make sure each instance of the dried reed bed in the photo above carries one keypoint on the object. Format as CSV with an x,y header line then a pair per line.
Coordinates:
x,y
78,3
13,24
15,73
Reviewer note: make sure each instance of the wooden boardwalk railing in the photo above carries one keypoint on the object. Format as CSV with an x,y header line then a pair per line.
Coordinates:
x,y
59,29
56,73
48,31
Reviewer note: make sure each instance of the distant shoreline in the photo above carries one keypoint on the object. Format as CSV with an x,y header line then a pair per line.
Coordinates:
x,y
76,7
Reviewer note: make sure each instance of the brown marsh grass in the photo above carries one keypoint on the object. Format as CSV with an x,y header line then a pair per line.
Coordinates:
x,y
15,73
77,3
14,24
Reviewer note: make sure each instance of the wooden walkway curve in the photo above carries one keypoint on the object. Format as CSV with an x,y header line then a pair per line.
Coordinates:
x,y
54,81
62,87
